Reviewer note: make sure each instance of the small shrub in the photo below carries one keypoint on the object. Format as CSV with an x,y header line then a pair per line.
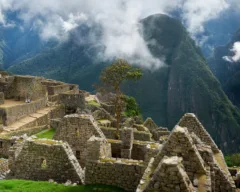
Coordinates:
x,y
132,108
233,160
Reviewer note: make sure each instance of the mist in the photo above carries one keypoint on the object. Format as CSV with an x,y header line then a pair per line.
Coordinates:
x,y
119,19
236,51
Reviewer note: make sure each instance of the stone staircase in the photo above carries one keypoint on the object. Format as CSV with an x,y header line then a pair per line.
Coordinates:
x,y
39,118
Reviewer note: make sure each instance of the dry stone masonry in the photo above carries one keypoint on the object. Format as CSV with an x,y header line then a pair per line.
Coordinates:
x,y
85,149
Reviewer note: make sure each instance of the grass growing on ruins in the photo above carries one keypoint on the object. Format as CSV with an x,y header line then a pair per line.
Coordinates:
x,y
30,186
94,103
47,134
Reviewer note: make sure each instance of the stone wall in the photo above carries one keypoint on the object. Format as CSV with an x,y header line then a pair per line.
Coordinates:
x,y
142,136
1,98
55,90
127,142
123,173
152,150
181,144
102,169
56,98
110,133
115,147
156,131
169,176
3,166
5,145
57,112
76,130
221,179
6,82
205,169
98,148
26,86
141,150
193,125
42,160
138,151
28,131
14,113
73,101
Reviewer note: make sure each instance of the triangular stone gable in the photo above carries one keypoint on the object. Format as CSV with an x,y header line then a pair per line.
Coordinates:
x,y
43,159
181,144
150,124
191,122
169,176
76,130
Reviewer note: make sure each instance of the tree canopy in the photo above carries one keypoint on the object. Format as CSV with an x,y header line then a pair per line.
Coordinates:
x,y
112,78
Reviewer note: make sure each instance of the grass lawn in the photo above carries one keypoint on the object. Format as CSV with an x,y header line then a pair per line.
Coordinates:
x,y
33,186
48,134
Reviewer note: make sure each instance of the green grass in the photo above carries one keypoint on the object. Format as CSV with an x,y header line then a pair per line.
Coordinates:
x,y
33,186
47,134
93,102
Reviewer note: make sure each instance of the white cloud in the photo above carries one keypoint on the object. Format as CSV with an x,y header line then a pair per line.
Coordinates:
x,y
197,13
118,18
236,50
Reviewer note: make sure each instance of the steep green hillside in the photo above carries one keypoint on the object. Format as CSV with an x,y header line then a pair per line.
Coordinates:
x,y
185,84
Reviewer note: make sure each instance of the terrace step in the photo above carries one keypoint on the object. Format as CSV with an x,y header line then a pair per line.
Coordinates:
x,y
41,117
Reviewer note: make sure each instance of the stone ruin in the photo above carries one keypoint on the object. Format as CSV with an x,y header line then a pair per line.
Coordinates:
x,y
85,149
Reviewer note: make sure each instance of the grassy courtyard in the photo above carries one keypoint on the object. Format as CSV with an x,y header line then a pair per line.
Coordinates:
x,y
33,186
47,134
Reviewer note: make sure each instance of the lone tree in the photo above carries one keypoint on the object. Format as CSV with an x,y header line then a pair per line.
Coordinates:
x,y
112,78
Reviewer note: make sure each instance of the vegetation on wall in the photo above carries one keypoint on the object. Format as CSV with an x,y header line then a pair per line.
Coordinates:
x,y
233,160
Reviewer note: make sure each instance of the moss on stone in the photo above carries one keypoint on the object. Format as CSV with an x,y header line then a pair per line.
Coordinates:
x,y
108,160
47,141
113,141
94,103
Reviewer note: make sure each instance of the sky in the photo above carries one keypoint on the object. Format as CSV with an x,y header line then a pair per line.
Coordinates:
x,y
119,20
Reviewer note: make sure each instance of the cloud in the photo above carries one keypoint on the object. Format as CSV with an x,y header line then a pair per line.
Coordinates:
x,y
236,50
197,13
119,20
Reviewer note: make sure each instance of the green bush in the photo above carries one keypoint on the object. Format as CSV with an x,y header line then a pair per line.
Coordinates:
x,y
233,160
132,108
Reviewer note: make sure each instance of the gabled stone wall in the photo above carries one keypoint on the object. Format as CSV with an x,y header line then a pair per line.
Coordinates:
x,y
76,130
191,122
46,159
169,176
203,163
156,131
